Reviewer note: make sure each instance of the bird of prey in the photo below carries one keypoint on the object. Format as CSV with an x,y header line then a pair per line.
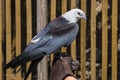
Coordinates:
x,y
56,34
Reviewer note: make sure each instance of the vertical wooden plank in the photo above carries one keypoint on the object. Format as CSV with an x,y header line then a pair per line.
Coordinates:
x,y
53,9
29,20
41,22
93,39
73,45
18,27
18,31
29,25
104,39
64,9
53,16
8,38
64,6
83,43
114,38
73,4
1,40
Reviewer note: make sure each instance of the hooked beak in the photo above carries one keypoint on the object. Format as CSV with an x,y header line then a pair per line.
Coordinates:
x,y
84,17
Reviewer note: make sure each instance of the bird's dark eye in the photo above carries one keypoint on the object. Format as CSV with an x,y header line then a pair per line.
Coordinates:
x,y
79,13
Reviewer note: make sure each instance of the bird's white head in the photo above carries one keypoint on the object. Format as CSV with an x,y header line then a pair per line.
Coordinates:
x,y
74,15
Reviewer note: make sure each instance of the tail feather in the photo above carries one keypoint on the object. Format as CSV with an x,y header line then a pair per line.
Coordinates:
x,y
24,58
32,67
15,62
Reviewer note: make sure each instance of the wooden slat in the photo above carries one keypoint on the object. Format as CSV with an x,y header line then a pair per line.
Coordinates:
x,y
29,20
73,49
29,26
18,31
104,39
64,9
41,22
53,9
93,40
73,45
114,39
18,27
1,40
73,4
8,38
83,43
53,16
64,6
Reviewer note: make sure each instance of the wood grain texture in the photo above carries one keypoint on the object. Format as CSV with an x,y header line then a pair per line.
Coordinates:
x,y
64,6
53,9
104,39
83,43
18,27
18,31
93,39
29,20
114,38
8,38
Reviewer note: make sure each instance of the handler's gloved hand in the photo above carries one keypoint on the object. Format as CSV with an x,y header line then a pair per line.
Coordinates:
x,y
62,68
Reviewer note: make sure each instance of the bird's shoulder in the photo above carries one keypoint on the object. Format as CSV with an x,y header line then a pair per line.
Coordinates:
x,y
63,29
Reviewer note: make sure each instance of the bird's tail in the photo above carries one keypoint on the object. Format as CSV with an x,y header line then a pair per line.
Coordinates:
x,y
32,67
15,62
22,59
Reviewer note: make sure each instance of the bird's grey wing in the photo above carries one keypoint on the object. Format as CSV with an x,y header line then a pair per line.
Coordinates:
x,y
58,25
37,43
61,36
68,31
55,38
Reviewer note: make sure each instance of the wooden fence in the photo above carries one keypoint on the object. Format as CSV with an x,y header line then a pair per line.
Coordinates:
x,y
96,46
